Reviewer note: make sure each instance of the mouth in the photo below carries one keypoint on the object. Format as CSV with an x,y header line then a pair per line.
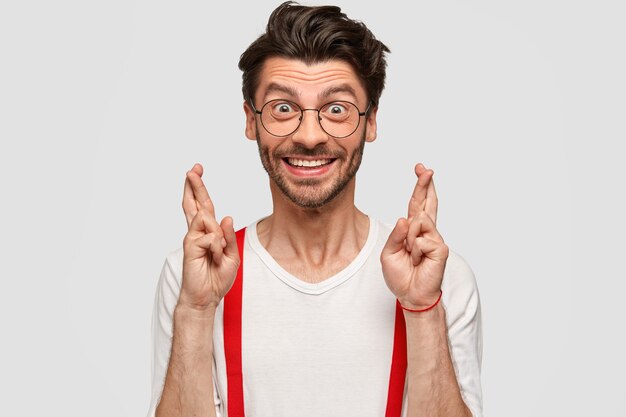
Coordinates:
x,y
308,163
308,167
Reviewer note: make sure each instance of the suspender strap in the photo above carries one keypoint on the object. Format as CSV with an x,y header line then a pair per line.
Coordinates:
x,y
398,366
232,337
232,349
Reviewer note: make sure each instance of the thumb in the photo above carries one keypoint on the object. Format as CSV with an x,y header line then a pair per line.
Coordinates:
x,y
395,242
230,249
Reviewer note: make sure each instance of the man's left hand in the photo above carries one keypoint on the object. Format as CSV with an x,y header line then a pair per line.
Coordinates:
x,y
414,257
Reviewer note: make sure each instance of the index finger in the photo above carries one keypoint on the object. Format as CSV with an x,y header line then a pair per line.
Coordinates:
x,y
417,202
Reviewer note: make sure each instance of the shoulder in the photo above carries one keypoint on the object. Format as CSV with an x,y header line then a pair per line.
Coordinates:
x,y
383,227
172,271
384,230
175,257
460,298
458,275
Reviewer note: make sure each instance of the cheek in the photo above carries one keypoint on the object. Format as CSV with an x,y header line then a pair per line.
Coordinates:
x,y
269,156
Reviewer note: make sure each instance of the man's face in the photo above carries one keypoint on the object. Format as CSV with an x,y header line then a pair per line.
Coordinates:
x,y
309,166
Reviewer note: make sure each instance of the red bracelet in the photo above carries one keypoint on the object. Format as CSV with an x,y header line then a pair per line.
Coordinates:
x,y
424,309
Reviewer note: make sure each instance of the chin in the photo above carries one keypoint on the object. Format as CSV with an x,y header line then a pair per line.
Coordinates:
x,y
311,195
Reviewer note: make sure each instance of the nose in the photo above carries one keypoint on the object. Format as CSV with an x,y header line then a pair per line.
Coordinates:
x,y
310,132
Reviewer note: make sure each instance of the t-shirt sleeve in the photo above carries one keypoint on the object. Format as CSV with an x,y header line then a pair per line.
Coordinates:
x,y
165,299
463,317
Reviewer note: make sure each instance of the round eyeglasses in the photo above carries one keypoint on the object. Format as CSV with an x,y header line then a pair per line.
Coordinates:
x,y
338,119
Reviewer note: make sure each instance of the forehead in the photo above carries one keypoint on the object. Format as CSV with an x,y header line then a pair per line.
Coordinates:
x,y
308,80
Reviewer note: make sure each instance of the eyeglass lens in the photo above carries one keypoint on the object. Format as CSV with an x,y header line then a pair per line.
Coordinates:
x,y
283,117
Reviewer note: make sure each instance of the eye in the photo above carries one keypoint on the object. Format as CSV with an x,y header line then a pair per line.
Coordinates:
x,y
337,109
283,108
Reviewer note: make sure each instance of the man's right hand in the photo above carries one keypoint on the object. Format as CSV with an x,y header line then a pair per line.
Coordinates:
x,y
211,257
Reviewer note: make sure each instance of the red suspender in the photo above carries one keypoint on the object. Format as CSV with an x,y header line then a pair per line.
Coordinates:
x,y
232,349
232,337
398,366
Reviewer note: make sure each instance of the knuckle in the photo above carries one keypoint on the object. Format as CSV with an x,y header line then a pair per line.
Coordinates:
x,y
187,205
204,217
214,237
196,220
208,204
206,213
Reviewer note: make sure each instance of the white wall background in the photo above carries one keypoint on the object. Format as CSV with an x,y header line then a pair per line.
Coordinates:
x,y
518,106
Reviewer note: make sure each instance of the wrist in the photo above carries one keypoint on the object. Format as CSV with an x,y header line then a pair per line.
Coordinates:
x,y
423,304
193,328
434,316
202,305
192,313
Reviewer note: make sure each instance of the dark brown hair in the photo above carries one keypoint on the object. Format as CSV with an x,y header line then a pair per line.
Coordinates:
x,y
316,34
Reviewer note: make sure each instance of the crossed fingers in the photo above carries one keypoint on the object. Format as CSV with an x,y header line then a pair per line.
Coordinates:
x,y
424,197
203,229
422,237
204,232
195,195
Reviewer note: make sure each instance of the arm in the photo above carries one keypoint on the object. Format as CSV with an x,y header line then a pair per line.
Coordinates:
x,y
165,301
432,385
414,261
190,374
210,262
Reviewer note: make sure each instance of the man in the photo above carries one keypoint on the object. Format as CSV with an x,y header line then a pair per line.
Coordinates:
x,y
316,309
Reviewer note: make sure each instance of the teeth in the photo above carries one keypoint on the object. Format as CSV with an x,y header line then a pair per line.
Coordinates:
x,y
305,163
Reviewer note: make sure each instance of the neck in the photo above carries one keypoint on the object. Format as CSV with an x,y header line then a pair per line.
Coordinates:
x,y
314,239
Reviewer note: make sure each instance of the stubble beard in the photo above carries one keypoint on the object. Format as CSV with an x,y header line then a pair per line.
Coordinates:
x,y
307,192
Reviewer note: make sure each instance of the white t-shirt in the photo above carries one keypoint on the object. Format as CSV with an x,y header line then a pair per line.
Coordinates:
x,y
323,349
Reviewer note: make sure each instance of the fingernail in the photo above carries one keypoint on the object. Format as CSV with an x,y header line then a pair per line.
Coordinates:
x,y
223,242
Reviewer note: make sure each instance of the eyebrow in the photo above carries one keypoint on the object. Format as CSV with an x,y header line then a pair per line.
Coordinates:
x,y
275,87
342,88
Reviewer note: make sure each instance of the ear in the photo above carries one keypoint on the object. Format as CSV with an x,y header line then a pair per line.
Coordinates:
x,y
370,124
251,132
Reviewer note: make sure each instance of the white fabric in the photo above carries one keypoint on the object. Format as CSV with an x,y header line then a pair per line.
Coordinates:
x,y
324,349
